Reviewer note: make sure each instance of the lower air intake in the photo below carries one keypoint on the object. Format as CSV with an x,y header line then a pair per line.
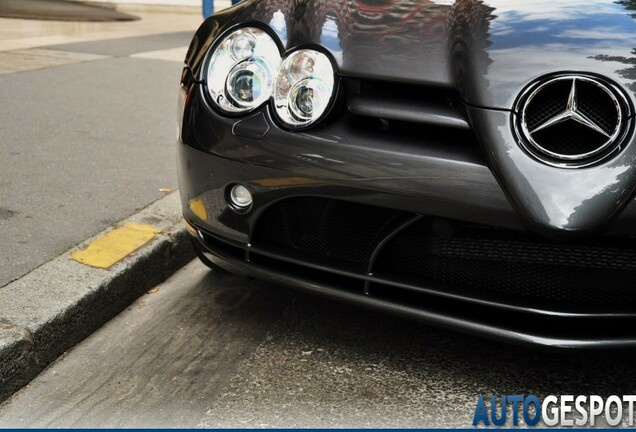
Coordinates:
x,y
482,260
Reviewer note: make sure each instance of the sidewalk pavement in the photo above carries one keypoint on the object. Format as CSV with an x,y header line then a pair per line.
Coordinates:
x,y
22,34
49,310
87,138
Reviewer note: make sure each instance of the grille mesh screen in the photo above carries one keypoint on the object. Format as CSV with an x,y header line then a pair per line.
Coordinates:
x,y
325,228
470,256
547,104
517,263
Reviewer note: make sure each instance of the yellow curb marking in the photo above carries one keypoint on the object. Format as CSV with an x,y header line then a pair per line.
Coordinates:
x,y
115,245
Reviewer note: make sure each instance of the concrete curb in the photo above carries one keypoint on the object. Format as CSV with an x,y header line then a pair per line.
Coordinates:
x,y
52,308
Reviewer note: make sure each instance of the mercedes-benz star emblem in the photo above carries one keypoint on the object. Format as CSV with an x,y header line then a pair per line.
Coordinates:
x,y
572,118
571,112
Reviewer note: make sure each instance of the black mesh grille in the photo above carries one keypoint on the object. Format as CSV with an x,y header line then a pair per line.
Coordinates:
x,y
570,138
517,263
547,104
486,260
325,228
598,106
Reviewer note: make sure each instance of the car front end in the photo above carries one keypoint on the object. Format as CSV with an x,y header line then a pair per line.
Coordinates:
x,y
470,164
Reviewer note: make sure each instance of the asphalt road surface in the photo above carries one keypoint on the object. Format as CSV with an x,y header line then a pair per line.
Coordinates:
x,y
87,137
209,350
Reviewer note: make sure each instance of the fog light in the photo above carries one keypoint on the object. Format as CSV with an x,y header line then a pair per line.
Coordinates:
x,y
240,197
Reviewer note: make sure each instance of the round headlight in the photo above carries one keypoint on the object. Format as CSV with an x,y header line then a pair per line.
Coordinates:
x,y
304,88
241,70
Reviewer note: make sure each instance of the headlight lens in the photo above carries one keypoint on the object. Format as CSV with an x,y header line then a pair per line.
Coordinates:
x,y
242,69
247,84
304,88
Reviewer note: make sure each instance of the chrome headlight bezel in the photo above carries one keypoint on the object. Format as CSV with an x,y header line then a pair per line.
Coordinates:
x,y
270,68
287,87
224,60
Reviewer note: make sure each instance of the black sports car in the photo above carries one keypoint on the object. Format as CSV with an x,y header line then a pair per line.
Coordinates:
x,y
469,163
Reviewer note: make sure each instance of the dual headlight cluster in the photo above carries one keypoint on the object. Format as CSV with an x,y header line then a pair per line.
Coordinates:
x,y
246,70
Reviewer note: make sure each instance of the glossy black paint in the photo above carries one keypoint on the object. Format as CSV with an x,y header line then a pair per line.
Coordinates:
x,y
441,178
557,201
464,163
489,50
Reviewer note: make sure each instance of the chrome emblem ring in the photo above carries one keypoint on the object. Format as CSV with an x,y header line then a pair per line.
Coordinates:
x,y
571,118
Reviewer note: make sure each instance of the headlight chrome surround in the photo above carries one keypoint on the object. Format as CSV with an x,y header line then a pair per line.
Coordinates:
x,y
241,69
245,69
304,88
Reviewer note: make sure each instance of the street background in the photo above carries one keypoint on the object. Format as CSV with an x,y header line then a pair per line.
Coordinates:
x,y
87,137
210,350
87,127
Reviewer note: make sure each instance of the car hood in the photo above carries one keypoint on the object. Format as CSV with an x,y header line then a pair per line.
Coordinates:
x,y
489,50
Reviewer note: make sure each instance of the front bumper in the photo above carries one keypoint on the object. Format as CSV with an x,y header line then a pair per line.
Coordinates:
x,y
354,165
